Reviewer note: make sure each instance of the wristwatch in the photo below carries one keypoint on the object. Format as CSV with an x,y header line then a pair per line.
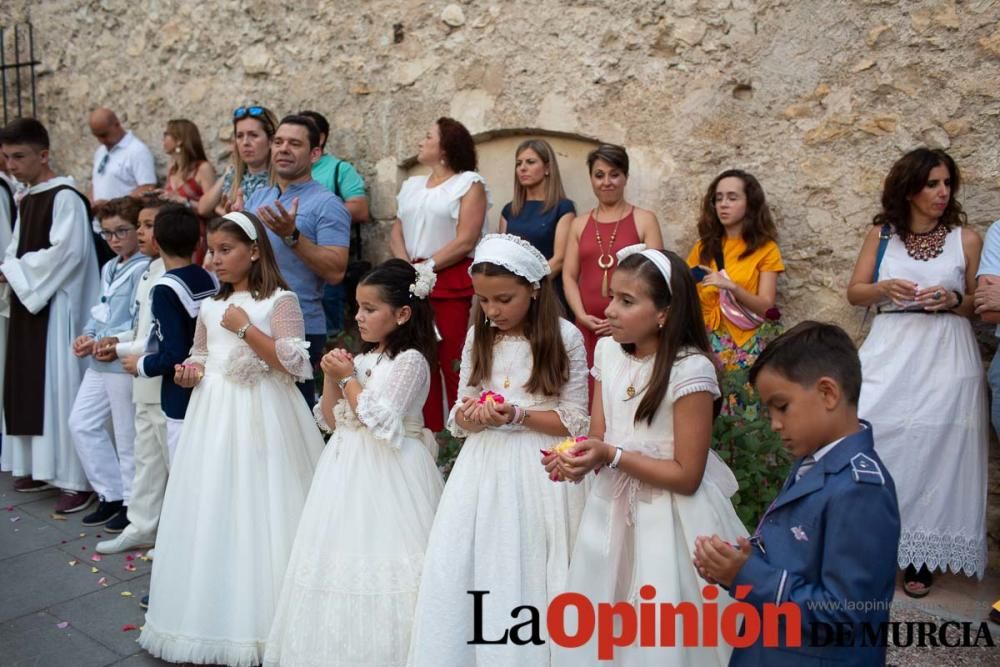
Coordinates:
x,y
242,331
290,241
343,381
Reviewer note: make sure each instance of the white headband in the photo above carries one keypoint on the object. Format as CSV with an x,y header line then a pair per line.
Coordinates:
x,y
243,222
658,259
514,254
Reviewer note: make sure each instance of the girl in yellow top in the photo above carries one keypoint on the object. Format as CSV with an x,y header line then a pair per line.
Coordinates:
x,y
736,227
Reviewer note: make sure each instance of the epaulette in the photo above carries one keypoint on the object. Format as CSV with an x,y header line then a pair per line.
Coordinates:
x,y
865,469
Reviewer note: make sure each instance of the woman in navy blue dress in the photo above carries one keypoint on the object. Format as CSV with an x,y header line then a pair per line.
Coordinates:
x,y
540,212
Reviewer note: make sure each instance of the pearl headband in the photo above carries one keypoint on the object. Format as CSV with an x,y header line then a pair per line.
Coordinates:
x,y
243,222
514,254
658,259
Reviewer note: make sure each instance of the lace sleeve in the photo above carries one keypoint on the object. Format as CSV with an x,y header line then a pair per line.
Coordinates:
x,y
382,409
463,387
289,332
320,418
199,349
572,408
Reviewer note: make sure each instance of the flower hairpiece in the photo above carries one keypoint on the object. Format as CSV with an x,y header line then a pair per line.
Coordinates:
x,y
424,283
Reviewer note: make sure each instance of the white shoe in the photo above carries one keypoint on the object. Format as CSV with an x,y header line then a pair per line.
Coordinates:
x,y
127,541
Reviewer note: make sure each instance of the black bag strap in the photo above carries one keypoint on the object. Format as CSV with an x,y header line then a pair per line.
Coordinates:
x,y
720,260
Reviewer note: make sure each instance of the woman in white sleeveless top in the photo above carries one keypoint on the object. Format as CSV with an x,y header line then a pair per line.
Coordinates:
x,y
923,388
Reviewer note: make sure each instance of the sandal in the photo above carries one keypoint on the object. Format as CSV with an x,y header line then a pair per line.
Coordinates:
x,y
917,584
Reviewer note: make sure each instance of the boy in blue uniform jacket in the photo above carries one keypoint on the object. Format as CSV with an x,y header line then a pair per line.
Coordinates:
x,y
828,542
176,300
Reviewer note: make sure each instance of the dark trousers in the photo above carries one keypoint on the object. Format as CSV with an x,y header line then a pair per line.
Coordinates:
x,y
317,345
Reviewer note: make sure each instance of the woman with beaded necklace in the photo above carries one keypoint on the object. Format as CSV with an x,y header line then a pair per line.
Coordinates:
x,y
595,238
923,390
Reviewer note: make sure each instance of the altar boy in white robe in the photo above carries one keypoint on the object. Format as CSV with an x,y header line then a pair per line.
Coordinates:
x,y
48,272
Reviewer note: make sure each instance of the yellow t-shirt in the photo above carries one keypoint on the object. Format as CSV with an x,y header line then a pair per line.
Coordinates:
x,y
742,271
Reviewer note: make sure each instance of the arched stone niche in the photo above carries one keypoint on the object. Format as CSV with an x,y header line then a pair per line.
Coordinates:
x,y
495,150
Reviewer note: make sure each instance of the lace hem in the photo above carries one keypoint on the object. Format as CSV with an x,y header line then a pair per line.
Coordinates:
x,y
185,649
382,421
576,422
320,419
943,552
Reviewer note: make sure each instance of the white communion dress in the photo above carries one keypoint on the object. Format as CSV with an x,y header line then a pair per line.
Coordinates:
x,y
244,462
633,534
352,581
502,526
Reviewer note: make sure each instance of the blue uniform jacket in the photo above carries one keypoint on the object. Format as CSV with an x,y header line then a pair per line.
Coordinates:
x,y
829,546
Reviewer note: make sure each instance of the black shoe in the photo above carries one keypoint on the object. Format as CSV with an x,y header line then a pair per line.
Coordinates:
x,y
118,523
144,602
105,512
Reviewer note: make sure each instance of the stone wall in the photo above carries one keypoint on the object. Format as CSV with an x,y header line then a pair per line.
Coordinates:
x,y
816,98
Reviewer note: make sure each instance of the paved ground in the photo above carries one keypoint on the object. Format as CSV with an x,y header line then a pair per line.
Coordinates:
x,y
48,579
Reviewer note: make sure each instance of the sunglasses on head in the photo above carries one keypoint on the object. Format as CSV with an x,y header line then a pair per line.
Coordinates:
x,y
243,112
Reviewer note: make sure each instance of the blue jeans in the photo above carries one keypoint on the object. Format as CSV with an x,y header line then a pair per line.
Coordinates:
x,y
317,342
994,378
333,307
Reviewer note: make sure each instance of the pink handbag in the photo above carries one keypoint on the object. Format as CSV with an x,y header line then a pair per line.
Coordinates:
x,y
737,313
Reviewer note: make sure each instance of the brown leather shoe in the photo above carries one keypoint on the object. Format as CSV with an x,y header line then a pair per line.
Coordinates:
x,y
75,501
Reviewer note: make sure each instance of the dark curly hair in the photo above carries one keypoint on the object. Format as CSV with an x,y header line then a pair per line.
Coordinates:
x,y
457,145
393,279
758,225
907,178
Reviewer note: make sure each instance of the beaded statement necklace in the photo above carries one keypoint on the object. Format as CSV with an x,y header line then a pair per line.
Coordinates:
x,y
926,246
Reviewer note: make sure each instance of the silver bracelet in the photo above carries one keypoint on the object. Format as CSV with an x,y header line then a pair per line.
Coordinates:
x,y
342,382
617,458
242,331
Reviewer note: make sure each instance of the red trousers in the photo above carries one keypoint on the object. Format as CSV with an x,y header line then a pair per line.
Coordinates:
x,y
451,301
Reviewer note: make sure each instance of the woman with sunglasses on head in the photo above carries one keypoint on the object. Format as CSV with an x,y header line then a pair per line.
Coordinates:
x,y
250,168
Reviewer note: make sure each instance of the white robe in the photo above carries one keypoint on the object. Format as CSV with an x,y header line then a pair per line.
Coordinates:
x,y
6,215
65,276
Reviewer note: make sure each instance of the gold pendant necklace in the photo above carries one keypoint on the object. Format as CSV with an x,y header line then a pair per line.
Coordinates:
x,y
605,260
631,391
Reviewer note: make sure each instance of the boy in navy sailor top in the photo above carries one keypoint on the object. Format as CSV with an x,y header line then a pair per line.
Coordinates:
x,y
177,297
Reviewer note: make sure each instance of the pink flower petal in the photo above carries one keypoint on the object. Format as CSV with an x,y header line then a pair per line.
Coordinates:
x,y
103,581
130,558
129,567
10,508
63,625
96,558
128,627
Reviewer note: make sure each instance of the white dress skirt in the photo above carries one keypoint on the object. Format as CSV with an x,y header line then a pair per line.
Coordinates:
x,y
244,462
924,393
633,535
502,525
353,577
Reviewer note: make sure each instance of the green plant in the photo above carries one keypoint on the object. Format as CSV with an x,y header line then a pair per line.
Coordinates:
x,y
744,440
448,446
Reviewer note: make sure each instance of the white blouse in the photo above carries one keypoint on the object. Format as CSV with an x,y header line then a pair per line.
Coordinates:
x,y
430,215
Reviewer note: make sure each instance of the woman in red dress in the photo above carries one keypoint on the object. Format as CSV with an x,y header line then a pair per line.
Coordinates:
x,y
595,238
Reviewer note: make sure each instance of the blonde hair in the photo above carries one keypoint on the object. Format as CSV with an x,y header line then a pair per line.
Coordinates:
x,y
554,191
270,123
